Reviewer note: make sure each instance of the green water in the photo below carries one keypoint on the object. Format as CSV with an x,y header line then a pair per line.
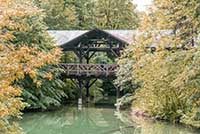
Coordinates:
x,y
93,120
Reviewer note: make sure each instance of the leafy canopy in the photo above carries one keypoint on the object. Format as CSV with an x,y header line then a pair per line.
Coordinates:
x,y
89,14
17,61
169,75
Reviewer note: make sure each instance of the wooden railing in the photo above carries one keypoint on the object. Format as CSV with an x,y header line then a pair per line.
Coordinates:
x,y
94,70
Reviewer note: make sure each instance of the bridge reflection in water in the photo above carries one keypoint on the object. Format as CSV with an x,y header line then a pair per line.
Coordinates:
x,y
95,120
70,120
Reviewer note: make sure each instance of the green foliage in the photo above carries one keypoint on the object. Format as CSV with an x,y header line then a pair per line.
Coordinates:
x,y
96,91
101,58
125,100
59,15
72,91
89,14
69,57
169,76
125,75
47,91
169,83
112,14
18,60
85,13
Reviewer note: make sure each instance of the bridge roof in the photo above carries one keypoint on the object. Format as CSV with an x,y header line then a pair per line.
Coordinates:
x,y
67,37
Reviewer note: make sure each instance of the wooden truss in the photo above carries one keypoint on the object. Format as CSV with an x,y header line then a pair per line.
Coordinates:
x,y
84,75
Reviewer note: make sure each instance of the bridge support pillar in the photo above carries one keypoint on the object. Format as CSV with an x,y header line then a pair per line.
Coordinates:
x,y
87,86
117,93
80,100
80,106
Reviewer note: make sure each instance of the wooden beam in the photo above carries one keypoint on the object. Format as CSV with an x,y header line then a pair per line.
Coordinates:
x,y
92,55
96,49
115,54
92,83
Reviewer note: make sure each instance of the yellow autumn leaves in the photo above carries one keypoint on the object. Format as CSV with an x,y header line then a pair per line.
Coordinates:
x,y
169,76
16,62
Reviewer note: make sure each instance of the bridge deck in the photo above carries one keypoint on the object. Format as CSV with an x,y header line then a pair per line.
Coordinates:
x,y
90,70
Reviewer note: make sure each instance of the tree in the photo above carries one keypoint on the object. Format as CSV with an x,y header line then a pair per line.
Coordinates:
x,y
89,14
125,80
112,14
167,63
125,76
59,15
179,18
48,91
17,61
85,13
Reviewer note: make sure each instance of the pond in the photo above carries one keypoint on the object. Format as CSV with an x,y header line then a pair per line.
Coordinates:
x,y
93,120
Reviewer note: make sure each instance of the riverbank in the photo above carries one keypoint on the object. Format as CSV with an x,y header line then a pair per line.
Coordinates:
x,y
149,123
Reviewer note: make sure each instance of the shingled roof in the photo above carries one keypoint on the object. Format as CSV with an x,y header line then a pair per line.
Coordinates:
x,y
64,36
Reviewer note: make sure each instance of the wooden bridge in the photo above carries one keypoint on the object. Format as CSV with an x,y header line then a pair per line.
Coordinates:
x,y
89,70
84,74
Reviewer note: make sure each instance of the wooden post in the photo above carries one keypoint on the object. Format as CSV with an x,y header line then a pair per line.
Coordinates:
x,y
87,91
88,81
80,100
88,60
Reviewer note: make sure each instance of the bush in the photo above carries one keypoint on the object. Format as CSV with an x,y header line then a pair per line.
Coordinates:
x,y
170,85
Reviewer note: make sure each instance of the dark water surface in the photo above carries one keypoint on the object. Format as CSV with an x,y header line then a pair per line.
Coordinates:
x,y
93,120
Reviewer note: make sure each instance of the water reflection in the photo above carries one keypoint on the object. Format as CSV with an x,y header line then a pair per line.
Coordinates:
x,y
70,120
145,126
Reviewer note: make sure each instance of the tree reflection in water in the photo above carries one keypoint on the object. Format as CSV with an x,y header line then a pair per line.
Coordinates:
x,y
145,126
70,120
91,120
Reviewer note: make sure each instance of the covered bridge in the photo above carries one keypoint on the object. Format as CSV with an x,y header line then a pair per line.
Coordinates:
x,y
84,44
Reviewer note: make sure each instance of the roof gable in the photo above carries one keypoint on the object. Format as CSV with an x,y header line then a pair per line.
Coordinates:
x,y
66,37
